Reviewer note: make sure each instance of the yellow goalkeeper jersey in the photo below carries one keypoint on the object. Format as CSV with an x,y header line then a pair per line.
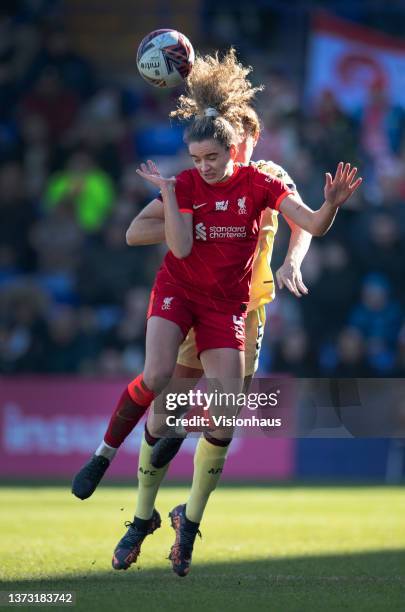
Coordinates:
x,y
262,288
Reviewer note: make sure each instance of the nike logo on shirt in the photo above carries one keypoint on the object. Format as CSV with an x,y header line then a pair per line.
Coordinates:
x,y
195,206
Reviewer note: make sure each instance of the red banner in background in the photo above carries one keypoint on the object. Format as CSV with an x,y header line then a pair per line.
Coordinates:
x,y
351,61
50,426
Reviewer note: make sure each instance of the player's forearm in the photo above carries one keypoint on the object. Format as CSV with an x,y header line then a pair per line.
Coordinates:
x,y
316,222
178,234
146,231
323,219
298,245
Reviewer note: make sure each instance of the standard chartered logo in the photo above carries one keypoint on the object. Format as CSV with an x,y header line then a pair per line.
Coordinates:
x,y
219,231
228,231
200,231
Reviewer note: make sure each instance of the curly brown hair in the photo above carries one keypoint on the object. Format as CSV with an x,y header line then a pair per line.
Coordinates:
x,y
220,84
250,121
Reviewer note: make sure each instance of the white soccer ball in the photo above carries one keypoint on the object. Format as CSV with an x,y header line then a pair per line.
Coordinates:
x,y
165,58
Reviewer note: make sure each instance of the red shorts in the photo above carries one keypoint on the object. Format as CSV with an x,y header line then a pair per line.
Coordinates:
x,y
213,329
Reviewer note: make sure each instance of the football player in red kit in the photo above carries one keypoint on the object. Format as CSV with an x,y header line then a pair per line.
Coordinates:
x,y
212,220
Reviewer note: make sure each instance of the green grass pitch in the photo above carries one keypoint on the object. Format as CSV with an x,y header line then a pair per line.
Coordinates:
x,y
265,548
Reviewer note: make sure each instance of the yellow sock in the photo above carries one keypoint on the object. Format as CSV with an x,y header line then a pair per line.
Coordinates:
x,y
149,480
209,460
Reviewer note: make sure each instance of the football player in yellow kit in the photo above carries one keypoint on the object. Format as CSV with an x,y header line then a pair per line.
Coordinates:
x,y
148,228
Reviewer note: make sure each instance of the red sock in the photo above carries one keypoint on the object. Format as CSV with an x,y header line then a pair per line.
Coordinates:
x,y
131,407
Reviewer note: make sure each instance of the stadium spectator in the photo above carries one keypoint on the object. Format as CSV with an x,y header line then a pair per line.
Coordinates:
x,y
23,329
333,293
16,216
54,102
57,52
35,154
67,347
377,316
294,353
85,187
381,125
110,268
381,245
331,135
347,358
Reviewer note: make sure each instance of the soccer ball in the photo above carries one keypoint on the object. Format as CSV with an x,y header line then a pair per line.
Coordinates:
x,y
165,58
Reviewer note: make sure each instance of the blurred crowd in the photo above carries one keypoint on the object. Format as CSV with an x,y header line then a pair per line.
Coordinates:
x,y
73,295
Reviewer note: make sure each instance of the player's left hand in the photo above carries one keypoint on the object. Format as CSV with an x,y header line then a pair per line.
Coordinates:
x,y
289,275
341,187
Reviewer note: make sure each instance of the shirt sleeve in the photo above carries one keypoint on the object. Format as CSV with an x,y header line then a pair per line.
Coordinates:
x,y
272,169
184,192
269,191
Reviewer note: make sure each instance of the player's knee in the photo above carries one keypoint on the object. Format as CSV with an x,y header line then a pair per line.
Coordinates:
x,y
156,378
156,427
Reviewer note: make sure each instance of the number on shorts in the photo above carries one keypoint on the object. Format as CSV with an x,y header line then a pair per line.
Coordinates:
x,y
259,338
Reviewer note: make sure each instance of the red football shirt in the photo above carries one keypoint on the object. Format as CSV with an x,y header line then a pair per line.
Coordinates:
x,y
226,222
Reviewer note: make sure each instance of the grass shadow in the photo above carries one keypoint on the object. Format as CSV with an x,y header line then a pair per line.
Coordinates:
x,y
372,581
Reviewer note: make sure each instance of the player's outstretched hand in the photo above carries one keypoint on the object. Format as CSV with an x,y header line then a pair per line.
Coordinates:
x,y
341,187
151,173
289,275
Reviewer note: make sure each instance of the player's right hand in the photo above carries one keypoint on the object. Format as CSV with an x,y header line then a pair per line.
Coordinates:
x,y
151,173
